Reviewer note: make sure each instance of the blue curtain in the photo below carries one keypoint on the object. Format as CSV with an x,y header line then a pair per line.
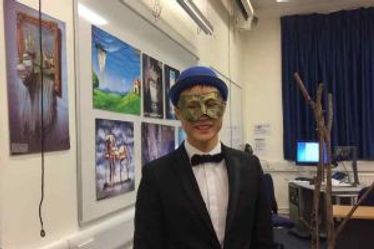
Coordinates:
x,y
338,50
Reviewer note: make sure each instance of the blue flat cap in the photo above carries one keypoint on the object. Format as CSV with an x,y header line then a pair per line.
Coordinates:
x,y
196,75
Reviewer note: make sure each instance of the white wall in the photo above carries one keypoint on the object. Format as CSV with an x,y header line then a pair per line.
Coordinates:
x,y
263,105
20,175
263,88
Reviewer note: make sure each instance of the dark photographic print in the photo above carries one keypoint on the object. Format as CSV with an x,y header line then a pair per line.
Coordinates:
x,y
171,75
157,140
34,76
115,166
152,90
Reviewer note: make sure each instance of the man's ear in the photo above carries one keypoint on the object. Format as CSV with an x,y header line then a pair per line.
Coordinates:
x,y
224,109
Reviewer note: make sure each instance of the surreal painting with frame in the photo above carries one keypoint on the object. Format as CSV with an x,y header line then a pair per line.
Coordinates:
x,y
36,80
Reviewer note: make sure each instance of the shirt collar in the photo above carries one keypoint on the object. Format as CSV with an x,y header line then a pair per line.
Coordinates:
x,y
191,150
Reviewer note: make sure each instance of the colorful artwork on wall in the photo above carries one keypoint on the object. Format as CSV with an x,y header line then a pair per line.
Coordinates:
x,y
171,75
152,90
157,141
115,74
36,81
181,135
115,166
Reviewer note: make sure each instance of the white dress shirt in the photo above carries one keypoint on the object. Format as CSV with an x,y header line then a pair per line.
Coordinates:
x,y
213,184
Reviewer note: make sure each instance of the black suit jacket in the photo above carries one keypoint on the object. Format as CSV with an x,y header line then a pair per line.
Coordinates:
x,y
171,214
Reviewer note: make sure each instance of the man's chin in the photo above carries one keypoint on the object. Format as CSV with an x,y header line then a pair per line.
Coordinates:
x,y
204,134
205,138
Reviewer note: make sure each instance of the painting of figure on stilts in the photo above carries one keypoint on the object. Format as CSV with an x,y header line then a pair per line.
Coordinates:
x,y
115,167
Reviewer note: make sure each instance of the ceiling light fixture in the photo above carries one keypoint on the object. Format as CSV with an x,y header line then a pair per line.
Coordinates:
x,y
248,8
91,16
197,16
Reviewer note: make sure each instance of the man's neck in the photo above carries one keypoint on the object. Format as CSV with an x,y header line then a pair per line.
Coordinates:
x,y
204,147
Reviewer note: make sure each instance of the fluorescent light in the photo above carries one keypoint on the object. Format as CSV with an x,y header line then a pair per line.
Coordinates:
x,y
197,16
282,1
91,16
248,7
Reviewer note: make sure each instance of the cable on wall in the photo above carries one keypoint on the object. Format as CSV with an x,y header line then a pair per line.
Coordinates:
x,y
41,62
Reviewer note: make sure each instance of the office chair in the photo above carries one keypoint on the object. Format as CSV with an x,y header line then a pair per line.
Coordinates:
x,y
277,220
369,200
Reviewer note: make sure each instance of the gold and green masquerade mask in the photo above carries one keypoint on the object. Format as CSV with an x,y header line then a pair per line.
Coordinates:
x,y
192,107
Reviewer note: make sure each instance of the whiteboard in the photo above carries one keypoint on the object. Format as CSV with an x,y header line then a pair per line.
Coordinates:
x,y
129,27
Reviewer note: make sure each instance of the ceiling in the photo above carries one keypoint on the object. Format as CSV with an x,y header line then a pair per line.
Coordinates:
x,y
272,8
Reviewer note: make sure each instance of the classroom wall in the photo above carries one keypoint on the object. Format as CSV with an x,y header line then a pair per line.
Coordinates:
x,y
263,88
20,175
257,69
263,105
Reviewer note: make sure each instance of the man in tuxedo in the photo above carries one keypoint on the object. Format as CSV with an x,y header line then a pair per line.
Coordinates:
x,y
204,195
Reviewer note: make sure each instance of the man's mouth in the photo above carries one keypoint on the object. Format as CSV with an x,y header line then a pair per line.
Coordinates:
x,y
203,126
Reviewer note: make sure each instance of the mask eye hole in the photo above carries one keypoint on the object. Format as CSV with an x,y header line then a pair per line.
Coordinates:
x,y
211,103
193,105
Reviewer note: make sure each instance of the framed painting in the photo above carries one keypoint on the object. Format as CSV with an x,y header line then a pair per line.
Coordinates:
x,y
115,74
153,106
36,73
114,153
28,47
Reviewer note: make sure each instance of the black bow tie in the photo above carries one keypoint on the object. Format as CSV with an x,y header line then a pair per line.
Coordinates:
x,y
198,159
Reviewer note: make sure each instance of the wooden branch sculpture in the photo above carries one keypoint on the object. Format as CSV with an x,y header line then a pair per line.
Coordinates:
x,y
316,107
324,136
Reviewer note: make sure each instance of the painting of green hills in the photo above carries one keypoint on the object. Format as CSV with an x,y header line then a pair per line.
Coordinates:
x,y
115,74
125,103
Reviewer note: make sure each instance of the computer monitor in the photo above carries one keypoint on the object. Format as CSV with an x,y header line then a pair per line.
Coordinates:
x,y
347,153
307,153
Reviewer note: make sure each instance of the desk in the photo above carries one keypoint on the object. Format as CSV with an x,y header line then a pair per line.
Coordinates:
x,y
358,231
301,203
362,212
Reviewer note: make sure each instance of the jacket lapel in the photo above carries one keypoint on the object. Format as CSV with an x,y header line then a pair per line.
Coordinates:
x,y
233,175
184,170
